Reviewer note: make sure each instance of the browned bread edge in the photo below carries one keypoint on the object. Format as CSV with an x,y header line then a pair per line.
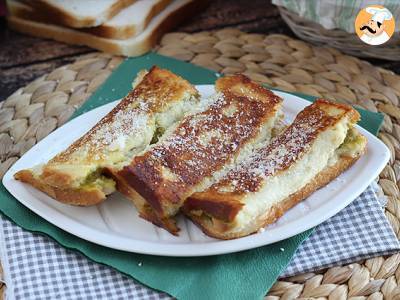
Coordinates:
x,y
126,32
144,210
69,196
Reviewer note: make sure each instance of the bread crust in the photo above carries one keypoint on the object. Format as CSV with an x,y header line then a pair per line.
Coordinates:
x,y
78,197
220,231
60,16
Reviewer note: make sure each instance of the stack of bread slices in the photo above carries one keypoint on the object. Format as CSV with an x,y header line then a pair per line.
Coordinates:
x,y
122,27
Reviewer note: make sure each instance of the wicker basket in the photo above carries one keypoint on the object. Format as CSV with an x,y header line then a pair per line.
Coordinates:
x,y
340,39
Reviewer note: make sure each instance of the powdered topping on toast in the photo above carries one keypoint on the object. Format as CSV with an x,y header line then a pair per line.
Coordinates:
x,y
109,134
278,155
202,143
131,117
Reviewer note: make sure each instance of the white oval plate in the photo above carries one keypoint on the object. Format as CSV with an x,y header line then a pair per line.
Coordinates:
x,y
115,222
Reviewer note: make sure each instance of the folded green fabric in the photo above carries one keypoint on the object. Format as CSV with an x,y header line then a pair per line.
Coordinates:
x,y
244,275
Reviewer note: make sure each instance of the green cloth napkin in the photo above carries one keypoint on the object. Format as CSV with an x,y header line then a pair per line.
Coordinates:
x,y
244,275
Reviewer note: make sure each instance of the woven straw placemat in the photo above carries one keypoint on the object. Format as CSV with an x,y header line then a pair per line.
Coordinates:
x,y
32,112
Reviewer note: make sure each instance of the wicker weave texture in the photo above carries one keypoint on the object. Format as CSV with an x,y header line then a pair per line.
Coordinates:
x,y
32,112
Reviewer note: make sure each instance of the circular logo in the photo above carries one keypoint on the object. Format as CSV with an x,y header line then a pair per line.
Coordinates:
x,y
374,25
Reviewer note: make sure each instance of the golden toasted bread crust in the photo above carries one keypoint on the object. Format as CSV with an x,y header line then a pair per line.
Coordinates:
x,y
201,144
220,230
271,160
215,204
70,196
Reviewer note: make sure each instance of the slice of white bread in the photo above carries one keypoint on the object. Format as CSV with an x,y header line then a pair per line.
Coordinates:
x,y
129,22
317,147
80,13
163,22
75,175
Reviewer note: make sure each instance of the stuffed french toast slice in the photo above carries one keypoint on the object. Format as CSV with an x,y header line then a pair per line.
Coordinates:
x,y
76,175
200,149
318,146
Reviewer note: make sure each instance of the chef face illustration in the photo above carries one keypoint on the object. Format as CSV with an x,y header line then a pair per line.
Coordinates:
x,y
373,28
373,31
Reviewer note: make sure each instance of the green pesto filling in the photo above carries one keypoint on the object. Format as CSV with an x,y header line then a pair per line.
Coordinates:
x,y
352,144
